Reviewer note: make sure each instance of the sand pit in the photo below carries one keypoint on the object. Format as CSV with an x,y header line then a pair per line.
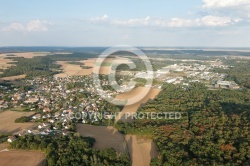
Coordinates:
x,y
106,137
8,125
141,150
19,158
133,108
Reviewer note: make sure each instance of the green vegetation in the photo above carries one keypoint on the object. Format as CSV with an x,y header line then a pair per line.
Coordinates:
x,y
37,66
3,138
22,119
213,130
75,63
70,150
240,72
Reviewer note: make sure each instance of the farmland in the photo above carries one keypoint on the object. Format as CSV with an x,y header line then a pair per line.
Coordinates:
x,y
141,150
7,122
74,69
27,158
14,77
133,108
106,137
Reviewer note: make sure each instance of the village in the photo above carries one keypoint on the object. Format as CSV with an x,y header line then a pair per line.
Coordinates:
x,y
60,103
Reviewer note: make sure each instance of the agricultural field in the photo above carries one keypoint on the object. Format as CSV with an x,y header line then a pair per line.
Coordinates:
x,y
134,107
8,125
11,78
106,137
141,150
74,69
17,158
4,146
25,54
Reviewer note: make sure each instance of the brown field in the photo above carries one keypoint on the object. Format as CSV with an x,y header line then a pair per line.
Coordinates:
x,y
133,108
20,158
14,77
141,150
7,122
4,63
4,146
72,69
106,137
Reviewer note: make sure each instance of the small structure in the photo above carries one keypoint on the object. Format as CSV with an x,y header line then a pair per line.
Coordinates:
x,y
11,138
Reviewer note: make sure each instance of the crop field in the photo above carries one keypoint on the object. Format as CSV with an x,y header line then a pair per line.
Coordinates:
x,y
18,158
141,150
8,125
11,78
106,137
74,69
133,108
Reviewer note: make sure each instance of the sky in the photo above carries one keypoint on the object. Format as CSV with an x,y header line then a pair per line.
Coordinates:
x,y
163,23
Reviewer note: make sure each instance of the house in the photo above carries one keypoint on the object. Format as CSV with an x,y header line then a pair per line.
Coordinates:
x,y
51,120
65,132
37,116
11,138
46,109
57,114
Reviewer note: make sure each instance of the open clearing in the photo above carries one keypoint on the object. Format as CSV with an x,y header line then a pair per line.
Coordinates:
x,y
8,125
106,137
133,108
141,150
20,158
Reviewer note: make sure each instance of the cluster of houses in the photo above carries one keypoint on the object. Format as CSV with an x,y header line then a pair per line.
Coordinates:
x,y
55,105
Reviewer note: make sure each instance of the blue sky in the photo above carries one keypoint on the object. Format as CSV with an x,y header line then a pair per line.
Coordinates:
x,y
210,23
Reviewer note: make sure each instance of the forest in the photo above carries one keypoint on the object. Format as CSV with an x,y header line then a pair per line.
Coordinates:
x,y
70,150
214,128
37,66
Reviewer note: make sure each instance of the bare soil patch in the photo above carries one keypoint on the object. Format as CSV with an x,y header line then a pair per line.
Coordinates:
x,y
106,137
20,158
8,125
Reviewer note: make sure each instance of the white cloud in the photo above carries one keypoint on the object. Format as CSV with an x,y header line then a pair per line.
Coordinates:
x,y
14,27
206,21
240,8
33,25
225,3
37,25
103,18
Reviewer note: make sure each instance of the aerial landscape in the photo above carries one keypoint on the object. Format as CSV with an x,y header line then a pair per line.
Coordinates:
x,y
125,83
